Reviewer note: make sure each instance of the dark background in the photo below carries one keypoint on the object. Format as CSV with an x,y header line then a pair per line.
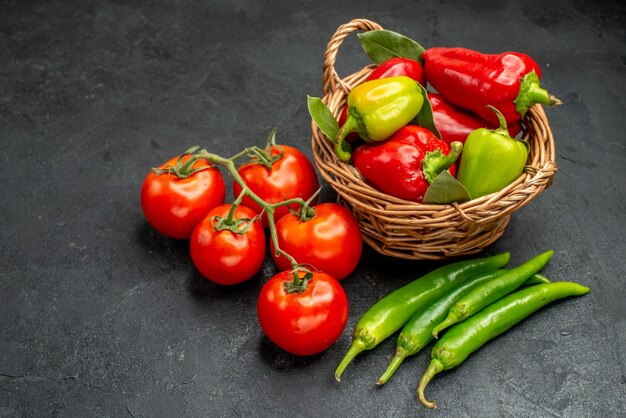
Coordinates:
x,y
102,316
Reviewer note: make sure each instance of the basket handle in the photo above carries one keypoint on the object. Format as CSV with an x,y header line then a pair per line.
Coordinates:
x,y
331,80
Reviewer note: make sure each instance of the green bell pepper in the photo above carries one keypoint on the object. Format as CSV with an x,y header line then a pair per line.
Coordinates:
x,y
491,159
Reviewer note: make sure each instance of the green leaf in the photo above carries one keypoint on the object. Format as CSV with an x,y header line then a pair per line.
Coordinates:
x,y
382,45
425,117
322,115
446,189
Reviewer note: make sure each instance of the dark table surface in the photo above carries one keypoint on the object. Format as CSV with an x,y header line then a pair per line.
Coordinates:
x,y
102,316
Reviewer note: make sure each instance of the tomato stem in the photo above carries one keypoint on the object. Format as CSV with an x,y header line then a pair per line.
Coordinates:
x,y
186,166
234,225
264,156
243,153
180,169
306,212
298,285
268,208
231,213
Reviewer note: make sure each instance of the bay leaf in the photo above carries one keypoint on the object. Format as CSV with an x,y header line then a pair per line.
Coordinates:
x,y
382,45
446,189
322,115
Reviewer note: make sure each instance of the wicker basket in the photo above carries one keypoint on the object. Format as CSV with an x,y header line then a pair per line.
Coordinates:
x,y
410,230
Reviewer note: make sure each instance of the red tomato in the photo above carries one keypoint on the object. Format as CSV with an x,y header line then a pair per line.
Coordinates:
x,y
174,206
226,257
330,242
304,323
291,176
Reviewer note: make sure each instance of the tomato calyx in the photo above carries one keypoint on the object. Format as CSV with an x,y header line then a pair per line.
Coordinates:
x,y
183,169
264,156
298,284
236,226
306,212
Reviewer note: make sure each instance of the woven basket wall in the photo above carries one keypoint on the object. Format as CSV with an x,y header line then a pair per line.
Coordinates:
x,y
410,230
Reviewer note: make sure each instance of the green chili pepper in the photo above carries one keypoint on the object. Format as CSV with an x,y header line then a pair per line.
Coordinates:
x,y
465,338
536,279
390,313
377,109
492,290
417,332
491,159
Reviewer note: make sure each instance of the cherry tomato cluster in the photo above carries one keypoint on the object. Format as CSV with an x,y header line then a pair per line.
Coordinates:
x,y
303,309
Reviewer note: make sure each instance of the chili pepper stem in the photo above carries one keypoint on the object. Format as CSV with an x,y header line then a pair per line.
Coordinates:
x,y
450,320
434,368
357,347
396,361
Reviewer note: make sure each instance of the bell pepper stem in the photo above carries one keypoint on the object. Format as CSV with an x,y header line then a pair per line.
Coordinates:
x,y
435,161
396,361
531,92
434,368
343,150
503,128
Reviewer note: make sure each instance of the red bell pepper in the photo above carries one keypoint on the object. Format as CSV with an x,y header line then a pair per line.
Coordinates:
x,y
472,80
405,164
455,124
399,66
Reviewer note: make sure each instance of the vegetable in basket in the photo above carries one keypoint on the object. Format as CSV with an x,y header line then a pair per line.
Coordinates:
x,y
472,80
491,159
391,68
406,164
399,66
377,109
455,123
